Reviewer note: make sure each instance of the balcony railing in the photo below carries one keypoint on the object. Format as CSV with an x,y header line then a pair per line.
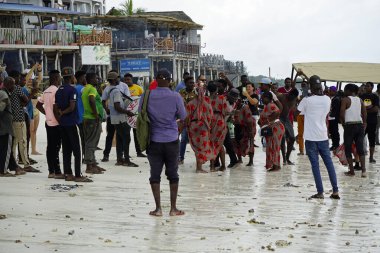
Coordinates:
x,y
155,44
53,37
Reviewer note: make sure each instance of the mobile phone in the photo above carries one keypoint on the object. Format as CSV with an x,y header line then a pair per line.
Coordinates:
x,y
244,89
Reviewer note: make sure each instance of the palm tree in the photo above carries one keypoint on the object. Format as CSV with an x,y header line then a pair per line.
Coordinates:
x,y
126,8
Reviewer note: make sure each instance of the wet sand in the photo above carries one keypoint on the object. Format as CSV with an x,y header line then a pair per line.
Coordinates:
x,y
241,210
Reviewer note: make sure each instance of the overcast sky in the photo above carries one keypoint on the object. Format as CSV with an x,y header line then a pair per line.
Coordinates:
x,y
277,33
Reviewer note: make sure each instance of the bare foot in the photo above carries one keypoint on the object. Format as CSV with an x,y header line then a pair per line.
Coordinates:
x,y
36,153
157,212
176,212
201,171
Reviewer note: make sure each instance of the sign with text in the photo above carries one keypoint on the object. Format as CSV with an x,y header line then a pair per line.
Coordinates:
x,y
134,65
96,55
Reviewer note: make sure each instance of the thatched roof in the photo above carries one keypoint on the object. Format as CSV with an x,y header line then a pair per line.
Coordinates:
x,y
174,19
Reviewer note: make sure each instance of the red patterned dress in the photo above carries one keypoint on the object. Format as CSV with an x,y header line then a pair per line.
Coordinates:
x,y
218,122
273,142
199,122
245,129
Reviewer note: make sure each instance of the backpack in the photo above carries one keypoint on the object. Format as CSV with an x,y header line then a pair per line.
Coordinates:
x,y
143,124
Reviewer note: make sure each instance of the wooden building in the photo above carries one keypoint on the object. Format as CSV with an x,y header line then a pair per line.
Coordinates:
x,y
30,34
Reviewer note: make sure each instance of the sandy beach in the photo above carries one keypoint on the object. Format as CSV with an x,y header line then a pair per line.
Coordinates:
x,y
241,210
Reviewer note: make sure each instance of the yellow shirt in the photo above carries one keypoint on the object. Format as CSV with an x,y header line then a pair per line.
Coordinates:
x,y
135,90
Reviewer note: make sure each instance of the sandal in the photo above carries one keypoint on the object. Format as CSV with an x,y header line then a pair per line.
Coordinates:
x,y
317,196
7,174
31,169
349,173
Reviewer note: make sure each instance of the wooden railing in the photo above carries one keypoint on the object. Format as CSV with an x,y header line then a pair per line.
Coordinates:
x,y
53,37
95,38
155,44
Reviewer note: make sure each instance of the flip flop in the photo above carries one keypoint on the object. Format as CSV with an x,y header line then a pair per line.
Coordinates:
x,y
177,213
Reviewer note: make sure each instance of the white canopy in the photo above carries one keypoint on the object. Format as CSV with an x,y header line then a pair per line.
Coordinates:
x,y
355,72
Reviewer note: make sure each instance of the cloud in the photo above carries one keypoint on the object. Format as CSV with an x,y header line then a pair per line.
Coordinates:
x,y
277,33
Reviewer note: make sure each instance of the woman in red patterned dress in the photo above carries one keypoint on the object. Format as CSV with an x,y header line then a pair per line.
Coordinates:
x,y
270,117
245,129
198,123
218,125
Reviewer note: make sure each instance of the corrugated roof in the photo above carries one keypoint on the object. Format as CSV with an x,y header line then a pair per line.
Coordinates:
x,y
356,72
29,8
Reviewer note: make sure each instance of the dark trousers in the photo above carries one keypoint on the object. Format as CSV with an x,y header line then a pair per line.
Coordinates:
x,y
334,132
123,140
6,152
137,146
81,135
371,131
160,154
54,141
70,145
230,148
353,133
110,134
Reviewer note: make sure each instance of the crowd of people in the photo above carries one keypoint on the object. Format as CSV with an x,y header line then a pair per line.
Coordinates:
x,y
212,115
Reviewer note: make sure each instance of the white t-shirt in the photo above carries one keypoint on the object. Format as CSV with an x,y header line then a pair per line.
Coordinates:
x,y
274,96
315,109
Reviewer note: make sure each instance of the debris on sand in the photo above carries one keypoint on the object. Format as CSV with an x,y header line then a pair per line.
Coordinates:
x,y
18,241
251,210
356,232
290,185
347,243
282,243
71,232
63,187
254,221
3,216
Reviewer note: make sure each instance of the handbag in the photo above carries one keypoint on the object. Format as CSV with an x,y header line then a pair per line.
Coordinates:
x,y
266,131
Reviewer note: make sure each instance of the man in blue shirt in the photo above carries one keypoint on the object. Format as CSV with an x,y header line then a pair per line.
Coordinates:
x,y
66,113
80,76
164,108
182,85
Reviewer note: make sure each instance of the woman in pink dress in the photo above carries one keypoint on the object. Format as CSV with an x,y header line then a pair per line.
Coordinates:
x,y
218,125
269,117
198,123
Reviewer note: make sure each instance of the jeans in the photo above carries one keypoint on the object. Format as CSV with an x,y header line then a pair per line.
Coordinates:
x,y
182,145
313,148
123,140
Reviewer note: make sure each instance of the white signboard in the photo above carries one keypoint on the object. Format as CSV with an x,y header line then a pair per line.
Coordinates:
x,y
96,55
133,106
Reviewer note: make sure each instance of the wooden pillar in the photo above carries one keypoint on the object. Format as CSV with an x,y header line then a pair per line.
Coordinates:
x,y
199,66
26,58
188,65
151,69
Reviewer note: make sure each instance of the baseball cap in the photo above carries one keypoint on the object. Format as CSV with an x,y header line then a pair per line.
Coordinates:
x,y
163,74
314,80
266,80
112,76
67,71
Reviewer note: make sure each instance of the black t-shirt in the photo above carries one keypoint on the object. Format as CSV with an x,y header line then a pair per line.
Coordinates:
x,y
253,108
370,99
